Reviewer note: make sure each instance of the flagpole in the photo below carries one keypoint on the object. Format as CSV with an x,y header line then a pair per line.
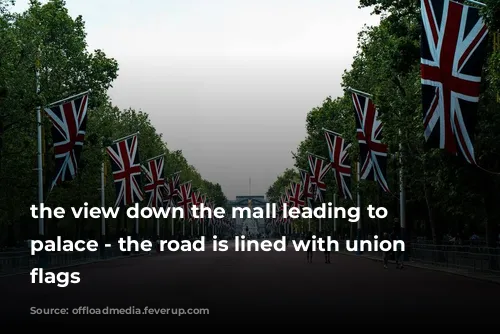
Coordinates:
x,y
137,224
103,199
184,228
309,224
317,156
334,217
157,227
477,3
359,206
41,226
402,195
172,221
68,98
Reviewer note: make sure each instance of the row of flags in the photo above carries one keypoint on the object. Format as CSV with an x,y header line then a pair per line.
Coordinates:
x,y
69,119
453,46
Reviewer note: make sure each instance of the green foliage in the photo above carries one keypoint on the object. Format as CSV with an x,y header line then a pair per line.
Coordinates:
x,y
281,184
47,35
444,194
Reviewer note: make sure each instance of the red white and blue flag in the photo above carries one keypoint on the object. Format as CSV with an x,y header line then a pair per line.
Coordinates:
x,y
453,51
153,170
195,201
211,205
185,199
372,152
339,160
296,196
319,167
126,168
307,187
69,123
171,189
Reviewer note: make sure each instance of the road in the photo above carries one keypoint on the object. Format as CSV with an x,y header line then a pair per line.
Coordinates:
x,y
256,287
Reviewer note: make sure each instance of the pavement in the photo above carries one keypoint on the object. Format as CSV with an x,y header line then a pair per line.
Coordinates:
x,y
492,277
255,287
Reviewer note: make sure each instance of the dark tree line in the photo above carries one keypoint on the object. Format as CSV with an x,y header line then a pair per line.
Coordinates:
x,y
47,35
445,195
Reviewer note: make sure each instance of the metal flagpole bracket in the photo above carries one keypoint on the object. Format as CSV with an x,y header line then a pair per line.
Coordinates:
x,y
352,90
476,3
154,158
332,132
68,98
175,173
126,137
317,156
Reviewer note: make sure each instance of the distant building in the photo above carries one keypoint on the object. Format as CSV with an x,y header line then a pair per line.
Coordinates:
x,y
254,226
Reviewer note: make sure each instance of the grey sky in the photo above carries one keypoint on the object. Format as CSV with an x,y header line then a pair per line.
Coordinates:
x,y
229,82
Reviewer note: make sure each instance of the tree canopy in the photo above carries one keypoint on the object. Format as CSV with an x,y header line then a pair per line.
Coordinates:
x,y
445,195
48,38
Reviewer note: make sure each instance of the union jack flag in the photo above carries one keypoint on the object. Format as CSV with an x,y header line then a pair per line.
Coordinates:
x,y
296,196
156,182
453,48
69,122
185,199
341,166
307,187
286,199
195,198
202,199
372,152
279,218
126,170
171,190
211,205
319,167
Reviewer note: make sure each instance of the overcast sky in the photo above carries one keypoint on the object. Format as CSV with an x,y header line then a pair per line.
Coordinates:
x,y
229,82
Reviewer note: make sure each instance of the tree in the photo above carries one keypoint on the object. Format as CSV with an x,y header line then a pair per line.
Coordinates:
x,y
47,38
387,65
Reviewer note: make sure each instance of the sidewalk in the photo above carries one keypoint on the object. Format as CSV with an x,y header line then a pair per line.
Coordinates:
x,y
415,264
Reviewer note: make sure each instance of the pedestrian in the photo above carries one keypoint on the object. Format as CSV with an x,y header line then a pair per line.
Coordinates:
x,y
398,254
309,247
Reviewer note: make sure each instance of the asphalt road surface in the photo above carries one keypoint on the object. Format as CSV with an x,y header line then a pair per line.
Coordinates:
x,y
253,287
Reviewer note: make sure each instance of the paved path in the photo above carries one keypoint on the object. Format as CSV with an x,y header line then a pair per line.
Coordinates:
x,y
257,287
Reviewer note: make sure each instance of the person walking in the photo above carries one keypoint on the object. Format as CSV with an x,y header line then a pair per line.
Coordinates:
x,y
398,253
